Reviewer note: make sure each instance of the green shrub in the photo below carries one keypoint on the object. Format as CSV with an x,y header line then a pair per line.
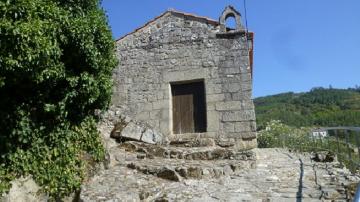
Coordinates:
x,y
272,135
277,134
56,59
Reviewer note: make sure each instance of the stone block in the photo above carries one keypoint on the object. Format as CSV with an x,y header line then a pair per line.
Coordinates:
x,y
213,121
197,73
165,114
164,127
247,104
147,106
173,76
210,106
242,135
215,97
212,135
142,116
227,106
227,64
154,124
253,126
228,127
246,86
243,126
231,87
132,131
188,75
246,77
161,104
230,70
213,88
228,96
242,144
151,136
155,114
169,174
225,142
243,95
245,115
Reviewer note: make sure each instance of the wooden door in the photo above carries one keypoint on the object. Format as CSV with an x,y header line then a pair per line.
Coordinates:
x,y
189,113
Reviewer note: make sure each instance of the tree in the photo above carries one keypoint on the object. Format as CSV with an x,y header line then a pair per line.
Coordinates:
x,y
319,107
56,59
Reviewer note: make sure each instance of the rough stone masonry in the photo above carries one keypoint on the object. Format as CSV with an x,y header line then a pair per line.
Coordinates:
x,y
189,77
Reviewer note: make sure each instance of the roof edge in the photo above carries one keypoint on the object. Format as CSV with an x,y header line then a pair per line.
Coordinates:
x,y
172,11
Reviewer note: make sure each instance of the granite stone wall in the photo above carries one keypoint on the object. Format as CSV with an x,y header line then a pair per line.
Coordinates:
x,y
179,47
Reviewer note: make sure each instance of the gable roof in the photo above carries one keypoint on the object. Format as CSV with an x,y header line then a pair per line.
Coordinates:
x,y
174,12
207,20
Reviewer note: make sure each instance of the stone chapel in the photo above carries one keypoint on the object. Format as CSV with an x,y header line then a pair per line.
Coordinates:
x,y
188,77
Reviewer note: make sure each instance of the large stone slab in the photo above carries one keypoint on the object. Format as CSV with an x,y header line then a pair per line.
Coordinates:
x,y
132,132
151,136
136,131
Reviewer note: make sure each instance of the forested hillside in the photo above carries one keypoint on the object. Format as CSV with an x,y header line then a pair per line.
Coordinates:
x,y
319,107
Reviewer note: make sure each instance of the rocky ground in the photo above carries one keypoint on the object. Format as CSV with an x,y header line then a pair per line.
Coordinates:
x,y
143,172
199,170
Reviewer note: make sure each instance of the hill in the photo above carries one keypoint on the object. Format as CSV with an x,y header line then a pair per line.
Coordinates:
x,y
319,107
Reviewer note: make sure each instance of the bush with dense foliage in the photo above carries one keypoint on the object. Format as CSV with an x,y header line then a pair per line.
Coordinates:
x,y
56,59
277,134
319,107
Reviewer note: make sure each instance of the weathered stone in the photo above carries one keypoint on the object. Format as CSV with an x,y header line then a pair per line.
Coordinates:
x,y
323,156
194,172
227,170
225,142
206,142
129,146
169,174
199,142
239,116
24,190
279,175
132,132
151,136
227,106
125,131
118,128
141,156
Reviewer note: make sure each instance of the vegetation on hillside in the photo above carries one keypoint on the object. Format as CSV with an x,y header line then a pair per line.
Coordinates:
x,y
277,134
319,107
56,59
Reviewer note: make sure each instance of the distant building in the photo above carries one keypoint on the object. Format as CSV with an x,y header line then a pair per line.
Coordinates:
x,y
189,77
320,134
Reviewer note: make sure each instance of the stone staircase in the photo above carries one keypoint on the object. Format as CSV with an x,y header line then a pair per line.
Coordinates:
x,y
177,163
145,172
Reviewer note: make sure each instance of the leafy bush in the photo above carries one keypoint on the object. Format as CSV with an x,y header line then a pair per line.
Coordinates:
x,y
56,59
277,134
273,134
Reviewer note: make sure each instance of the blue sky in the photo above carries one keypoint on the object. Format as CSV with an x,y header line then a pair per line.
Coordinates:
x,y
299,44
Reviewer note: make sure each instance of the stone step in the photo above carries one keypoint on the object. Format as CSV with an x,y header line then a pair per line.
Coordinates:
x,y
176,170
188,153
277,175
